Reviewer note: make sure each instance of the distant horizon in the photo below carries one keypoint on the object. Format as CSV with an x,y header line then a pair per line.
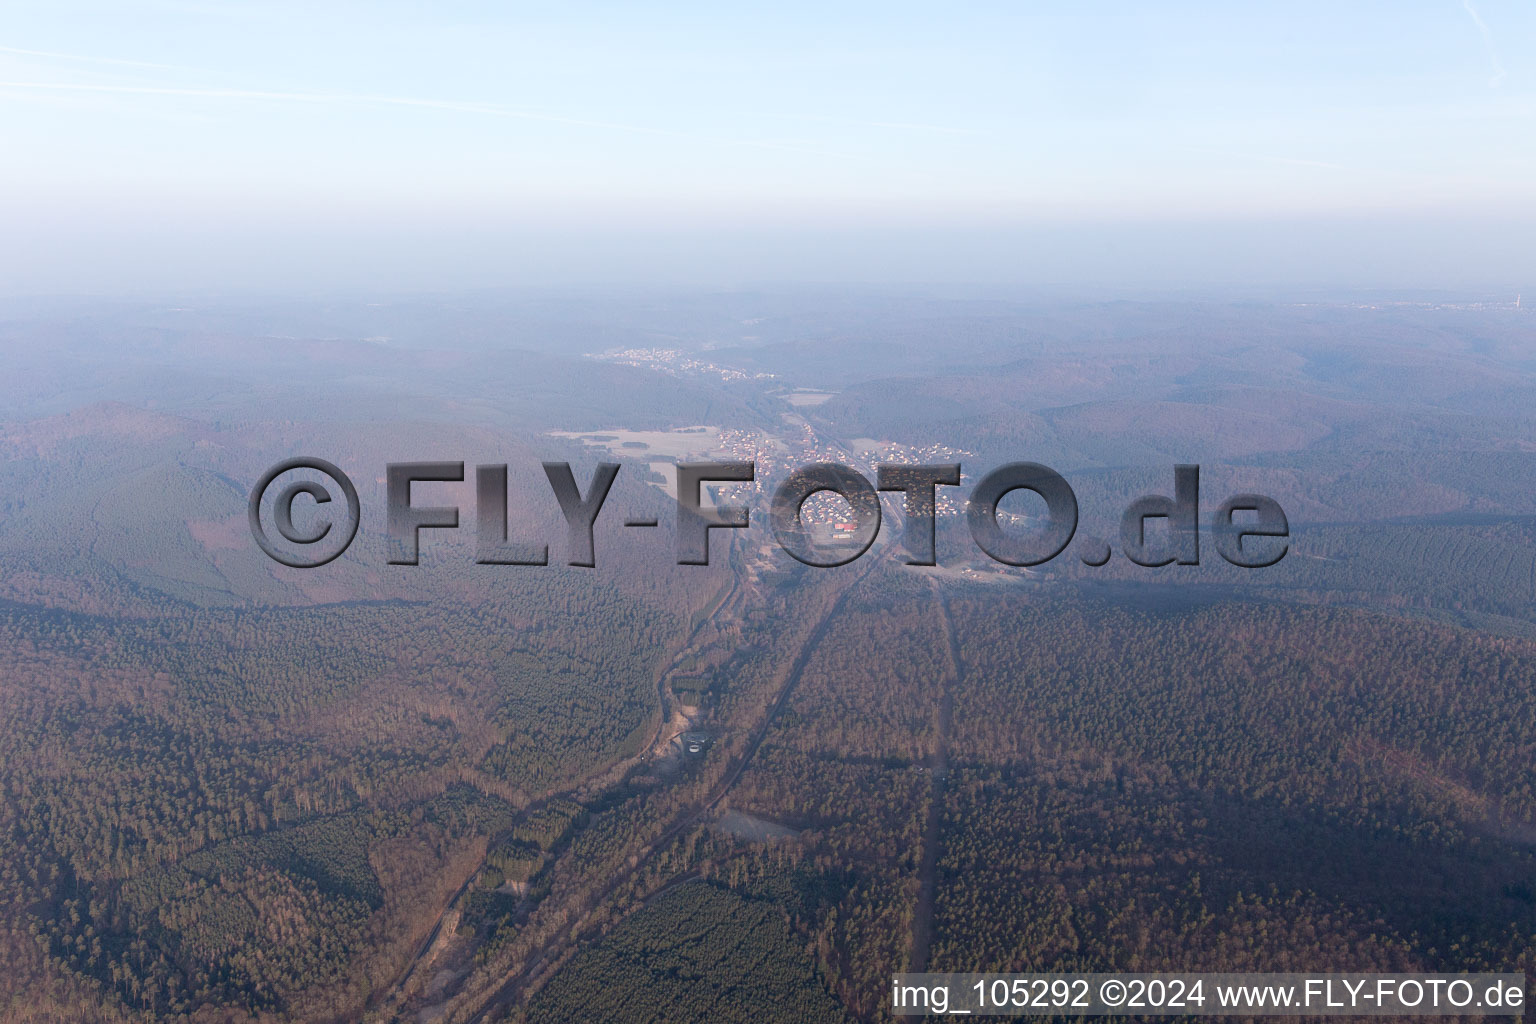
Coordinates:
x,y
1347,255
277,146
14,303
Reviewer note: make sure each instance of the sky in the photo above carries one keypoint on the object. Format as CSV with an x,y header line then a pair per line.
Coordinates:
x,y
270,145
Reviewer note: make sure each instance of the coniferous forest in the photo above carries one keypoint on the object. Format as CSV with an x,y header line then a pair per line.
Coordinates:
x,y
232,791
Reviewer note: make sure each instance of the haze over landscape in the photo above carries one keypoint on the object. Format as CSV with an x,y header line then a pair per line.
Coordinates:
x,y
279,145
1290,246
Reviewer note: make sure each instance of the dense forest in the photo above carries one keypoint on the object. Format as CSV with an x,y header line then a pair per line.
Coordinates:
x,y
452,793
1125,789
238,807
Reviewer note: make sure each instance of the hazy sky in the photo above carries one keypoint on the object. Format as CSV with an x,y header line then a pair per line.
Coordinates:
x,y
216,144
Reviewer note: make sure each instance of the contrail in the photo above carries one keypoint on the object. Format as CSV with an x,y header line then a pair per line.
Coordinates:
x,y
364,99
335,98
1493,55
444,105
786,147
93,60
1266,158
906,125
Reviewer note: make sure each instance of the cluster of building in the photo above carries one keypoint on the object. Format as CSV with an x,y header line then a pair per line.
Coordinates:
x,y
678,363
777,456
945,501
1492,304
